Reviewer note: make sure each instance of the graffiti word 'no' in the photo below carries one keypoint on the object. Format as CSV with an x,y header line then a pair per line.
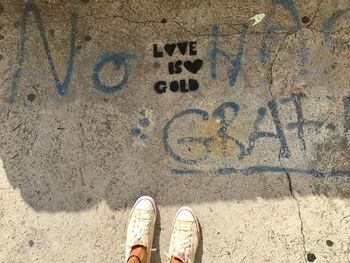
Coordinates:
x,y
121,60
118,59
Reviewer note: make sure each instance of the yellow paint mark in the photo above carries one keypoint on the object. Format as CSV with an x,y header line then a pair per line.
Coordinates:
x,y
219,149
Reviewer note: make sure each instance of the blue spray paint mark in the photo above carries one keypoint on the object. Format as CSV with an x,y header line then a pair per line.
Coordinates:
x,y
329,24
262,169
203,114
136,132
289,4
236,62
301,122
279,131
270,30
220,114
264,52
346,102
268,36
62,88
257,134
144,122
118,60
184,171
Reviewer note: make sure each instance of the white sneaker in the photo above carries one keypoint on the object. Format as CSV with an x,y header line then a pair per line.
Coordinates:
x,y
185,236
141,226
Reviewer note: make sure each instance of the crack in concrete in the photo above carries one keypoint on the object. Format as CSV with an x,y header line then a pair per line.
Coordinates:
x,y
290,187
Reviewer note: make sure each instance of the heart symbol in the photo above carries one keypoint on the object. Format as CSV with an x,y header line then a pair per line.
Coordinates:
x,y
169,49
194,66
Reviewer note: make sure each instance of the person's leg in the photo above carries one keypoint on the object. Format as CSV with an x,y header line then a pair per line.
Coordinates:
x,y
134,259
138,254
184,238
175,260
139,237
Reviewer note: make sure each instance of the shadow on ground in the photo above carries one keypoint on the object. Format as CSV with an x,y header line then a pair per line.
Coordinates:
x,y
76,156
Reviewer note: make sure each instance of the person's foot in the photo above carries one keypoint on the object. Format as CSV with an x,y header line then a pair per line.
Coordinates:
x,y
185,236
141,226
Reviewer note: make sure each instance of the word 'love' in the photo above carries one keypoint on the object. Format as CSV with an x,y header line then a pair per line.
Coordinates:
x,y
182,47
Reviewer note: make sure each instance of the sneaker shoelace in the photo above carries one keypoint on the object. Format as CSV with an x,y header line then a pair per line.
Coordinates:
x,y
141,227
182,242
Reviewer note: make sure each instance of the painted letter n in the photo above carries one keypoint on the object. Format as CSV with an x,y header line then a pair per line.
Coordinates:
x,y
62,88
235,61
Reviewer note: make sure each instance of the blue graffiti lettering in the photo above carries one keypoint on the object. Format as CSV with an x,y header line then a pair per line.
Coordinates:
x,y
236,62
270,30
204,115
328,25
346,102
263,169
301,122
62,88
257,134
220,114
225,120
118,60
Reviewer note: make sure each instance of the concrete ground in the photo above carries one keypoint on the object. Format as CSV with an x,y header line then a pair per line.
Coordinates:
x,y
187,101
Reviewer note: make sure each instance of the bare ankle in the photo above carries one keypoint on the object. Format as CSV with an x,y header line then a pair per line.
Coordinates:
x,y
138,253
175,260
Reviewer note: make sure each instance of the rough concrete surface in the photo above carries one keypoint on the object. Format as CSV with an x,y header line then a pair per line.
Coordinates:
x,y
104,101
